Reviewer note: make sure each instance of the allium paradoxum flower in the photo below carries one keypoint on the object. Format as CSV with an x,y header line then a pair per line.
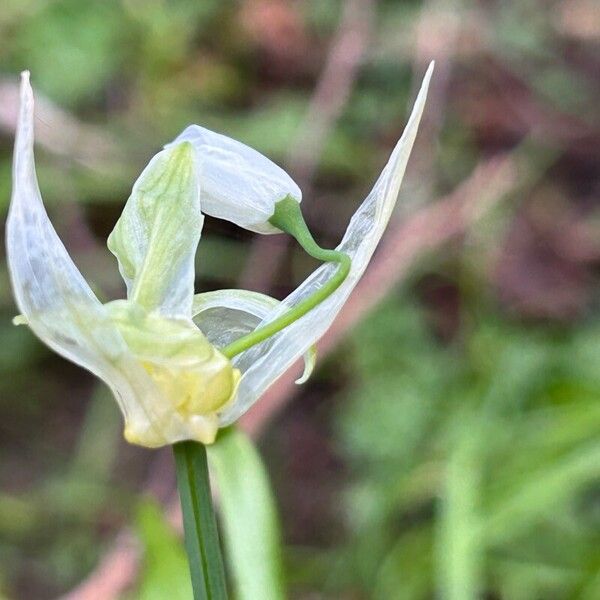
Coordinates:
x,y
182,365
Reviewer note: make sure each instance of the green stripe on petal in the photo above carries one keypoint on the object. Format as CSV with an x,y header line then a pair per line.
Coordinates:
x,y
54,298
192,375
156,237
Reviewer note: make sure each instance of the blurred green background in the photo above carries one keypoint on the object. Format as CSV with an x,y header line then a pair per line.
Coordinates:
x,y
447,446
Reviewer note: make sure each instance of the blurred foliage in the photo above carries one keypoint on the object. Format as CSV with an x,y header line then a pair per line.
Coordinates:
x,y
249,520
450,447
474,465
165,573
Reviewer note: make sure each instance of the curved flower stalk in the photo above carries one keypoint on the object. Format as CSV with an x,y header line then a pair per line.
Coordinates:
x,y
173,360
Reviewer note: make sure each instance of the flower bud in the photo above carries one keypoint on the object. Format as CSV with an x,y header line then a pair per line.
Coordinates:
x,y
237,183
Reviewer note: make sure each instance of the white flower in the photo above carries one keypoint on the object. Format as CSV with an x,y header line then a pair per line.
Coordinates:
x,y
239,184
168,379
158,350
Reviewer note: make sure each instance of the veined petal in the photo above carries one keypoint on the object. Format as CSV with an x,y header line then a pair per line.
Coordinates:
x,y
61,309
226,315
56,301
262,364
156,237
239,184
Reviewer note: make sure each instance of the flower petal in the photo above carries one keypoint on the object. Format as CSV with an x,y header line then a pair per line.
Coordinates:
x,y
54,298
226,315
156,237
261,365
238,183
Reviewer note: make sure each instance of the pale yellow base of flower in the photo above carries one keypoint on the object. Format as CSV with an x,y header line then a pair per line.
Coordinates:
x,y
200,428
184,381
188,418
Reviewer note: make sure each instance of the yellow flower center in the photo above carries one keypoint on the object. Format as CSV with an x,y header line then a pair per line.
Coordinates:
x,y
191,374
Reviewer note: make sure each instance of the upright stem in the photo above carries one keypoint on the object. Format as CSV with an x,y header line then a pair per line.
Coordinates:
x,y
199,523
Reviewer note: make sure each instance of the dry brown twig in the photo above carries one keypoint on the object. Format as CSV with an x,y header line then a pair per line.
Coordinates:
x,y
114,573
437,32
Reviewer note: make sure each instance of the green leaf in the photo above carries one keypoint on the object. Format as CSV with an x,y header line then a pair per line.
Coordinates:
x,y
156,237
165,571
459,549
249,517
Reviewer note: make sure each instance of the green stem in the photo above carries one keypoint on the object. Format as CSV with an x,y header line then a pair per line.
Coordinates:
x,y
199,523
288,218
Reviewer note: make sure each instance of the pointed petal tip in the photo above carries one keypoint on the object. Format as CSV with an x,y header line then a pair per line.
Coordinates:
x,y
25,85
303,378
419,104
428,75
26,93
310,360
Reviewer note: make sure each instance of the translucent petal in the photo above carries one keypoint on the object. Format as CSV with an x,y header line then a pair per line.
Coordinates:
x,y
50,291
156,237
61,309
264,363
226,315
238,183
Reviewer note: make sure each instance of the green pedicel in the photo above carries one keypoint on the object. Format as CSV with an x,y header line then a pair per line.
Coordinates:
x,y
288,217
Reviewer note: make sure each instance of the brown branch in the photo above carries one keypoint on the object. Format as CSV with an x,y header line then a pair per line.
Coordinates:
x,y
332,90
438,29
114,574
